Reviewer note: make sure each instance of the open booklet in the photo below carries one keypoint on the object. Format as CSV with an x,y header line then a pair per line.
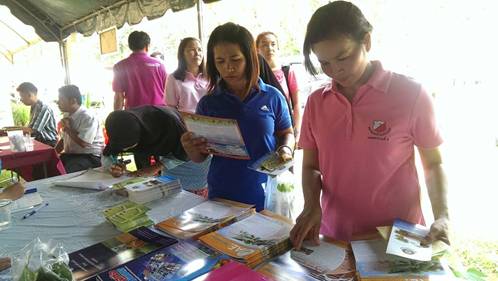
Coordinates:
x,y
223,135
96,179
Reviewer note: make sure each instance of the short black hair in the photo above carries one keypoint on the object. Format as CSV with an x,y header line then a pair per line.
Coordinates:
x,y
71,92
331,21
27,87
138,40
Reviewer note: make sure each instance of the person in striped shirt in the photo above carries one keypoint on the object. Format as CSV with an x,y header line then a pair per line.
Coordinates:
x,y
41,122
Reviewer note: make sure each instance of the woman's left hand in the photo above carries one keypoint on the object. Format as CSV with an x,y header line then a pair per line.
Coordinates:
x,y
439,231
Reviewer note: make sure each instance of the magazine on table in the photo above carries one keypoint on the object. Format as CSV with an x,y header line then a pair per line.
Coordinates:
x,y
182,261
254,239
205,217
116,251
223,135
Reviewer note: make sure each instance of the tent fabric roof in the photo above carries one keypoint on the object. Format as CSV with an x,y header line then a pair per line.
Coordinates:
x,y
54,20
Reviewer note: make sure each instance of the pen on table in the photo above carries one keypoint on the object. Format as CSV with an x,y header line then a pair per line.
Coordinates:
x,y
31,190
34,211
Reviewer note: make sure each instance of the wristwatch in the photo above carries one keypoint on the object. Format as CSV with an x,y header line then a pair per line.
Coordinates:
x,y
289,149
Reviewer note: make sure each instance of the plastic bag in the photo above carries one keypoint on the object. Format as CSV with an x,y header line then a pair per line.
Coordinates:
x,y
40,261
280,194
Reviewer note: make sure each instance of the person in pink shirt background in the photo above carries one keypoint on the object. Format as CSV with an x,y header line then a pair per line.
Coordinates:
x,y
358,136
139,79
187,85
267,44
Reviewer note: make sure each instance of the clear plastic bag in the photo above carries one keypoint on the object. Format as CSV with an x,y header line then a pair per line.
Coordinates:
x,y
280,194
40,261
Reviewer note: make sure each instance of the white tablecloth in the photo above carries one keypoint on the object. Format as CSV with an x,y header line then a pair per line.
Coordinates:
x,y
74,217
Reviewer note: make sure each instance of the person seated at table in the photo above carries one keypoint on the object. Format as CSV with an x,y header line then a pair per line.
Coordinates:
x,y
82,140
236,92
41,117
153,130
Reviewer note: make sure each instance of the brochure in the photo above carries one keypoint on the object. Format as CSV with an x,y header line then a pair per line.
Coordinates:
x,y
272,164
116,251
145,189
96,179
405,241
223,135
183,261
373,263
26,202
128,215
325,257
205,217
286,268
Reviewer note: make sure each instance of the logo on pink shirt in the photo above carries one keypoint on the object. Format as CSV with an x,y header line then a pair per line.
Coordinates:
x,y
379,129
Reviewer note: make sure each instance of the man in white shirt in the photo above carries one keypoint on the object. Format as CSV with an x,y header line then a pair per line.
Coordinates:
x,y
82,141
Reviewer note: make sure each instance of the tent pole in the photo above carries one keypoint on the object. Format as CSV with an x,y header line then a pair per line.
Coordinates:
x,y
200,19
64,61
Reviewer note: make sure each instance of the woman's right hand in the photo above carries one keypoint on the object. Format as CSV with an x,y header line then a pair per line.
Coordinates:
x,y
195,147
307,226
117,170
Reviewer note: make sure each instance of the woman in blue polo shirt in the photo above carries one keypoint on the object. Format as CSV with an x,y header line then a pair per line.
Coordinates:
x,y
236,92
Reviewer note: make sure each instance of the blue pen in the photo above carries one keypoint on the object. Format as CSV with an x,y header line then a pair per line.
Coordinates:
x,y
31,190
34,211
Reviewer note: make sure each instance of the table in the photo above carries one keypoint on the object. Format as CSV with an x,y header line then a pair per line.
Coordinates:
x,y
23,162
74,217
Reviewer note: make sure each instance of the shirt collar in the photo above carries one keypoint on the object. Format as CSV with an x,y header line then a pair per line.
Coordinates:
x,y
219,89
379,80
138,53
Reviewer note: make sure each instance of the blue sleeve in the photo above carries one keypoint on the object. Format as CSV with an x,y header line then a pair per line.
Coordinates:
x,y
282,114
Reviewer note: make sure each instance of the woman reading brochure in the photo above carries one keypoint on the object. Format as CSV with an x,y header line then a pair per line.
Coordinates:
x,y
235,92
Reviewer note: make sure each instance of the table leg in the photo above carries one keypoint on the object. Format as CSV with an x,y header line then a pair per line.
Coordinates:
x,y
45,174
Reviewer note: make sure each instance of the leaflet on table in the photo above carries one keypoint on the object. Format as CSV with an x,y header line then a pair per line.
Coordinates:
x,y
271,164
183,261
116,251
372,262
253,239
223,135
97,179
405,241
205,217
128,215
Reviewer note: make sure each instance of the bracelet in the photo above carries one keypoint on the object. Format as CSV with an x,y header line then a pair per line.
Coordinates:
x,y
285,146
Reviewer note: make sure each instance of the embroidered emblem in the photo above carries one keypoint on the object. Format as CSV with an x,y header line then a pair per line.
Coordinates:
x,y
379,129
265,108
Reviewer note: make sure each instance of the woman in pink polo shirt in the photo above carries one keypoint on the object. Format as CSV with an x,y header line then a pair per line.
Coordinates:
x,y
187,85
359,136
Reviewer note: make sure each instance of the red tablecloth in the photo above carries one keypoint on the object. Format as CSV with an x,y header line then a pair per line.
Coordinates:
x,y
23,162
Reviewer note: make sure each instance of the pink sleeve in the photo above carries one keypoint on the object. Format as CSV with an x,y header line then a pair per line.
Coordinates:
x,y
117,81
292,79
171,97
425,131
307,139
